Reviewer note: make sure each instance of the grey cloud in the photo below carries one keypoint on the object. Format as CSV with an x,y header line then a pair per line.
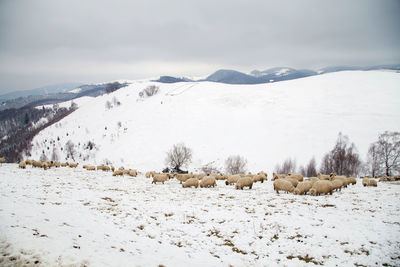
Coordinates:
x,y
49,38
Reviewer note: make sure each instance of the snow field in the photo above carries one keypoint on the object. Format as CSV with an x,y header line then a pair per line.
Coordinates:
x,y
65,216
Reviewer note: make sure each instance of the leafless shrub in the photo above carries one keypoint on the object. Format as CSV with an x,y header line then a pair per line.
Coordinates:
x,y
179,156
116,101
70,149
210,168
55,156
235,164
149,91
108,104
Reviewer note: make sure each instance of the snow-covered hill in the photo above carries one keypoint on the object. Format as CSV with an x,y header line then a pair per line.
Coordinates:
x,y
265,123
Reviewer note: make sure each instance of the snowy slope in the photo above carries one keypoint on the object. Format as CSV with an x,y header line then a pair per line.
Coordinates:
x,y
73,217
266,123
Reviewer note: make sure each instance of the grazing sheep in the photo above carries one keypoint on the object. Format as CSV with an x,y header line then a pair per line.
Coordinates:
x,y
294,181
259,178
219,176
200,176
369,182
244,181
161,178
183,177
352,180
73,165
264,175
323,176
321,187
2,160
277,176
232,179
208,181
36,164
283,185
22,165
45,165
28,162
90,168
106,168
302,188
64,164
343,178
132,173
312,179
112,168
57,164
118,172
297,176
191,182
337,184
149,174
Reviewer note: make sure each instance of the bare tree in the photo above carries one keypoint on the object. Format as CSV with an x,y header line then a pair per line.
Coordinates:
x,y
235,164
289,165
343,159
179,156
388,150
210,168
108,104
149,91
43,157
311,168
55,156
326,164
302,171
373,163
70,149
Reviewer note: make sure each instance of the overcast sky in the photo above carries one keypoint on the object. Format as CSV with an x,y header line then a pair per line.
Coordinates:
x,y
47,42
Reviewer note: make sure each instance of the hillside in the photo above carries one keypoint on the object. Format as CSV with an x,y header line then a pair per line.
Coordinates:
x,y
266,123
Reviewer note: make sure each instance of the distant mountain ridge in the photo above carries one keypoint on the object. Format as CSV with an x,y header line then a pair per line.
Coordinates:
x,y
45,90
272,75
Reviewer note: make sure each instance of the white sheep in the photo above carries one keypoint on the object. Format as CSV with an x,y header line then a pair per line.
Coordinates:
x,y
159,178
337,184
191,182
321,187
284,185
208,181
302,187
297,176
323,176
369,182
232,179
22,165
118,172
244,181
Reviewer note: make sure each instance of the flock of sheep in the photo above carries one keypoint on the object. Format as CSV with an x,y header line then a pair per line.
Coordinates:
x,y
322,184
289,183
46,164
202,180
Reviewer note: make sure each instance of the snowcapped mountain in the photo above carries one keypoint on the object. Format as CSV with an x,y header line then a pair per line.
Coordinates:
x,y
265,123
